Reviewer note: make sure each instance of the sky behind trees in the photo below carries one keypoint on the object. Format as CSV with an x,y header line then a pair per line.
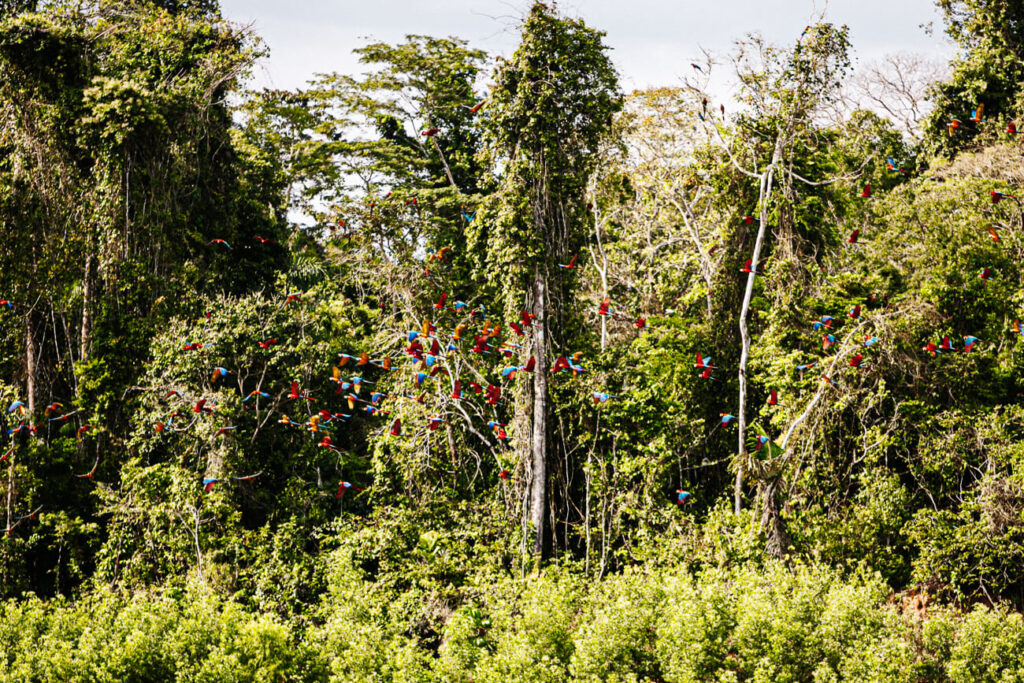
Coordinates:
x,y
653,41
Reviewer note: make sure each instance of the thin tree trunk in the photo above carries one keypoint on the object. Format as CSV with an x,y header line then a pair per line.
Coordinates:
x,y
83,353
539,443
764,193
30,362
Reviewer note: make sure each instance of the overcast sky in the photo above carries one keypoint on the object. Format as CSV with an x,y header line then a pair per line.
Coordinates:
x,y
652,41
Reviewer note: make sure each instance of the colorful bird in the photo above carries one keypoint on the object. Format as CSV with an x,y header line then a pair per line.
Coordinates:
x,y
969,342
855,361
761,441
88,475
999,196
985,274
218,241
601,397
681,496
947,344
218,373
747,267
931,348
343,487
703,362
606,307
266,343
726,418
977,113
1011,128
263,240
209,483
773,398
18,406
852,239
806,366
825,322
254,393
869,340
396,427
430,132
225,430
571,265
866,192
82,430
993,233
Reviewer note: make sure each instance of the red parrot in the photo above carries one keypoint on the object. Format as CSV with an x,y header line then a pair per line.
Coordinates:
x,y
856,360
396,427
82,430
571,265
441,301
1011,128
605,307
263,240
852,239
866,192
993,233
854,312
998,196
457,391
266,343
218,241
526,318
343,487
773,398
430,132
747,267
530,365
88,475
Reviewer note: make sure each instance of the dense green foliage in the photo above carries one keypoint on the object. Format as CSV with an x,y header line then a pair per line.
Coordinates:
x,y
302,387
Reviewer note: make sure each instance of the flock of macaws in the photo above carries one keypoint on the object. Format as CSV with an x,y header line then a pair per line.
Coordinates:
x,y
474,333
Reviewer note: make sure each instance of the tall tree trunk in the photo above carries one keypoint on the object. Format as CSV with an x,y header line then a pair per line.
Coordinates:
x,y
30,362
539,442
87,285
765,190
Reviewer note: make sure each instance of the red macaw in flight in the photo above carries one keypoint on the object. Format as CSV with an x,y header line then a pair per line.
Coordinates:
x,y
343,487
571,265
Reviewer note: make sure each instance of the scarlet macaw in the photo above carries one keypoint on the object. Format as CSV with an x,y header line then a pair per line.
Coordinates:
x,y
396,426
266,343
343,487
571,265
218,241
869,340
681,496
826,322
969,343
601,397
726,418
747,267
852,239
218,373
773,398
998,196
993,233
254,393
88,475
855,361
209,483
866,192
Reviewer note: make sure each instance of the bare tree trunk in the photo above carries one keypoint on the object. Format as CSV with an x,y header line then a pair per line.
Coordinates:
x,y
30,362
539,443
83,353
764,193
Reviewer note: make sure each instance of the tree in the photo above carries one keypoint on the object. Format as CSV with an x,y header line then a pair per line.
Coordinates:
x,y
989,72
551,106
784,90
